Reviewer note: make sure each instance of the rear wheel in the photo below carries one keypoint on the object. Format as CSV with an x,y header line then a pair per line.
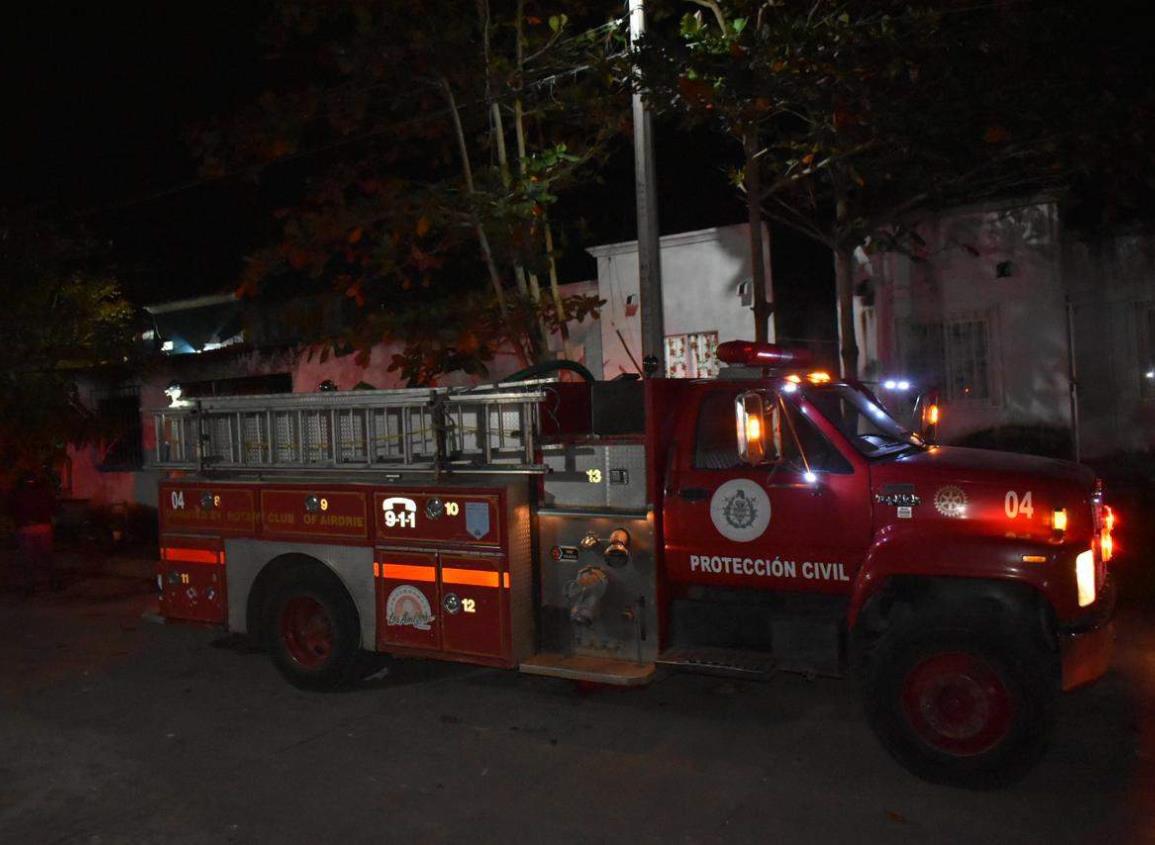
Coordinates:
x,y
312,630
961,702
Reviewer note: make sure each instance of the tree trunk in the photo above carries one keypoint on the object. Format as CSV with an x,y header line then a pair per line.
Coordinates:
x,y
506,181
475,218
762,308
519,134
844,285
558,302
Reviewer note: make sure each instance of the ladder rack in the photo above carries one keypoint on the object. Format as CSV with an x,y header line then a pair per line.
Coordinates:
x,y
484,429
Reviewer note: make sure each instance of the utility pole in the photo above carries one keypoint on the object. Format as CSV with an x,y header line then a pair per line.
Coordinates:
x,y
649,249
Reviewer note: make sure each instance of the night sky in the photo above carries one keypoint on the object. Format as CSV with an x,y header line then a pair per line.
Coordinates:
x,y
103,100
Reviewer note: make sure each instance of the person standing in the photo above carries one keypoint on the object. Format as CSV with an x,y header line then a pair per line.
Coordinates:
x,y
33,505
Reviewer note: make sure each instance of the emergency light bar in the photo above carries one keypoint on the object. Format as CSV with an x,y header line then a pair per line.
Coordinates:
x,y
753,354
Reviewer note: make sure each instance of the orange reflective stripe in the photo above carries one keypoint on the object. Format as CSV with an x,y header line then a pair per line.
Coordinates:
x,y
376,569
408,572
191,555
505,580
471,577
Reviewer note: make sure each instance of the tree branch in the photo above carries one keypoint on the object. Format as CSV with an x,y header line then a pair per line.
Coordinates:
x,y
713,6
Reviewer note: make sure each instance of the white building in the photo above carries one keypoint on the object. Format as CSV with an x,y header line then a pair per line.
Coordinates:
x,y
998,304
706,299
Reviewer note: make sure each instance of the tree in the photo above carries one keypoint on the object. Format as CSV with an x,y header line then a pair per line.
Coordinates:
x,y
63,314
868,113
435,140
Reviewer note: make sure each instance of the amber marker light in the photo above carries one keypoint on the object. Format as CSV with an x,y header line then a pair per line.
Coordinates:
x,y
1106,547
819,377
1106,538
932,415
753,429
1059,520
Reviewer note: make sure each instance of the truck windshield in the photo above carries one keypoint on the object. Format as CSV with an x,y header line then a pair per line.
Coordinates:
x,y
868,427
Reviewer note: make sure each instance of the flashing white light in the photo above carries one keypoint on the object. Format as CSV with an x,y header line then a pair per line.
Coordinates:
x,y
789,387
167,346
173,392
810,477
904,385
890,384
1150,374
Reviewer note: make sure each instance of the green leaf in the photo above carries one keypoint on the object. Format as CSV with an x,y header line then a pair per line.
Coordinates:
x,y
691,24
737,25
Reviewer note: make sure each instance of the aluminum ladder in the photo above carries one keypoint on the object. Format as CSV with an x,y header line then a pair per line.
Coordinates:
x,y
483,429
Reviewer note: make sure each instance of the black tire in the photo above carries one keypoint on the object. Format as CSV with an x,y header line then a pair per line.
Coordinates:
x,y
312,630
961,698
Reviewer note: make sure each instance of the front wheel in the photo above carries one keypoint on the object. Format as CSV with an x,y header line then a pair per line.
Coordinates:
x,y
967,707
312,629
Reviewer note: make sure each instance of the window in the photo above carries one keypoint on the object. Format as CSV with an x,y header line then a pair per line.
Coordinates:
x,y
238,386
954,355
716,446
717,441
865,424
967,370
118,412
692,355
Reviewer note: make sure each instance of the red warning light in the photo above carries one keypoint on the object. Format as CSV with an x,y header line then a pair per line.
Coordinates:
x,y
753,354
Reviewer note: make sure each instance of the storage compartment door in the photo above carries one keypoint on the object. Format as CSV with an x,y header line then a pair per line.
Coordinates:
x,y
407,603
191,577
474,605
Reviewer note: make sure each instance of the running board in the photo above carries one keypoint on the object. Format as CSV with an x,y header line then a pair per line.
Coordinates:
x,y
730,663
597,670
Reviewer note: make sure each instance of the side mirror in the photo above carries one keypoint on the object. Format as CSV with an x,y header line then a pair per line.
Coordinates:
x,y
756,429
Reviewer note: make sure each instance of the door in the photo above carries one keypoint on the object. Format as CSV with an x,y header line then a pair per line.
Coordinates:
x,y
799,521
407,600
474,594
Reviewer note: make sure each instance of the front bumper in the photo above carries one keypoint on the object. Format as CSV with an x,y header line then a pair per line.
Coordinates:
x,y
1086,648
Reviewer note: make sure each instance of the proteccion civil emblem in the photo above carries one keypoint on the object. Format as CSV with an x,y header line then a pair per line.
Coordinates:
x,y
951,501
740,510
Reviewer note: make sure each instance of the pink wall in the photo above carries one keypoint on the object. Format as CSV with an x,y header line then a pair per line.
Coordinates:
x,y
106,488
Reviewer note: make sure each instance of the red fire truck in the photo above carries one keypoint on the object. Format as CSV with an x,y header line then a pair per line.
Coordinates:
x,y
769,519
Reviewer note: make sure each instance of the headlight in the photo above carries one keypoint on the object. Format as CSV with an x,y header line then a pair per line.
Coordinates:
x,y
1085,577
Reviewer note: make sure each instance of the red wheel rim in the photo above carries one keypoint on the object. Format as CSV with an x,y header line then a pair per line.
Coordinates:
x,y
957,703
307,631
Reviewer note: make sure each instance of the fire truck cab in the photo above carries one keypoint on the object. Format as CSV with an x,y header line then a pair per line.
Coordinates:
x,y
771,519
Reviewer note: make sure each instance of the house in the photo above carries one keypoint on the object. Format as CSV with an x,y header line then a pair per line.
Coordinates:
x,y
221,346
706,299
1018,321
